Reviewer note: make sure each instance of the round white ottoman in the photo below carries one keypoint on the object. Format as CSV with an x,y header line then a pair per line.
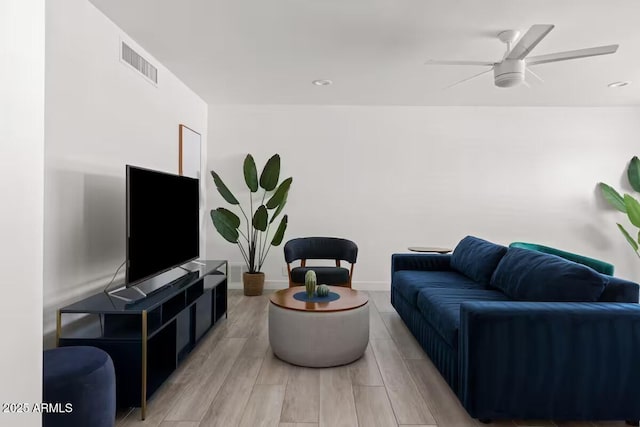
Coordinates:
x,y
319,334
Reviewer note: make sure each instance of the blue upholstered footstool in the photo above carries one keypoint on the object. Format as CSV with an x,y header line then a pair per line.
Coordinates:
x,y
84,378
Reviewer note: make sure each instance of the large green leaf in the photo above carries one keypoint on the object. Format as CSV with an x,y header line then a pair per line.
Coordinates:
x,y
222,224
271,173
232,219
280,194
279,235
280,208
633,173
223,190
260,218
613,197
627,236
250,173
633,209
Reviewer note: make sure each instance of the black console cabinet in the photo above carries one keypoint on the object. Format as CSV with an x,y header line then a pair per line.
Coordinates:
x,y
148,339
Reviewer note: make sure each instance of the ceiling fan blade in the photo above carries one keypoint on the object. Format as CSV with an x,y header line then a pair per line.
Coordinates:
x,y
572,54
481,63
469,78
530,40
534,75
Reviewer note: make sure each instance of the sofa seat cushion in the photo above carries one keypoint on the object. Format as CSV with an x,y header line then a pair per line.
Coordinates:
x,y
409,282
527,275
477,258
441,308
324,275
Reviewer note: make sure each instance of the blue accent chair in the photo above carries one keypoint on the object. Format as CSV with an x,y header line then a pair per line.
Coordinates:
x,y
321,248
81,380
519,333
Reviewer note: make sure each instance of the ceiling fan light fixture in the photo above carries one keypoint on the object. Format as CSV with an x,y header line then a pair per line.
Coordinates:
x,y
509,80
509,73
322,82
619,84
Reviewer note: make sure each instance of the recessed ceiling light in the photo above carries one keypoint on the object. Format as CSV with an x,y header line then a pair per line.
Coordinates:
x,y
322,82
618,84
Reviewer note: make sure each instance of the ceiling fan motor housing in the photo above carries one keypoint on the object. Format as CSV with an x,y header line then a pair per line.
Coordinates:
x,y
509,73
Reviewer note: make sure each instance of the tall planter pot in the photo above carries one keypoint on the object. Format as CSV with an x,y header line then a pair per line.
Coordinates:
x,y
253,283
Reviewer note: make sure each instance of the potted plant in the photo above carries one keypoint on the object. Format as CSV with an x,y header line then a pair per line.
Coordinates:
x,y
627,204
252,235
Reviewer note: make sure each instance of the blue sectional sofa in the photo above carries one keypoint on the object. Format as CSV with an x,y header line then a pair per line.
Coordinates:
x,y
520,333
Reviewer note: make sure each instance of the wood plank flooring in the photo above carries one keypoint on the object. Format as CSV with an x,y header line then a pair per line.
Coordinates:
x,y
233,379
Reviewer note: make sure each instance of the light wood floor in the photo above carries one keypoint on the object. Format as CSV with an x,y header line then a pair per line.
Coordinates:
x,y
233,379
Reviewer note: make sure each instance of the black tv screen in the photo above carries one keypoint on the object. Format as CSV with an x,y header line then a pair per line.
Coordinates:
x,y
163,229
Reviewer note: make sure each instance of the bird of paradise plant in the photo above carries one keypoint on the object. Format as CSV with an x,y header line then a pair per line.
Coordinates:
x,y
627,203
252,237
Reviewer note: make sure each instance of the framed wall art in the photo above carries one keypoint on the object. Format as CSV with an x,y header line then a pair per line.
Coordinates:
x,y
189,162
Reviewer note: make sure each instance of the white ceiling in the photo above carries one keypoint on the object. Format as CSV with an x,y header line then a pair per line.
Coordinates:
x,y
269,51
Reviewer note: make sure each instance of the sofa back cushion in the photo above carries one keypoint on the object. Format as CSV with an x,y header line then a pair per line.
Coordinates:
x,y
477,258
527,275
599,266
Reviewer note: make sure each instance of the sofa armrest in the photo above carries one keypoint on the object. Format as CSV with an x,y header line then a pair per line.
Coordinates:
x,y
550,360
619,290
424,262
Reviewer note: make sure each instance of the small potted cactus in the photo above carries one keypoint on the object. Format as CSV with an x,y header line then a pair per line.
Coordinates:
x,y
323,291
310,282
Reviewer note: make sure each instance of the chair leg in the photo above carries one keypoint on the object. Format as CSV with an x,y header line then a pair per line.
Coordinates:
x,y
289,274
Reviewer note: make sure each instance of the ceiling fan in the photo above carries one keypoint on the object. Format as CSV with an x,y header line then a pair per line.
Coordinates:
x,y
510,71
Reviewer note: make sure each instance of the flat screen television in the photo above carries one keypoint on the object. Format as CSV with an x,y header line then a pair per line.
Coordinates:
x,y
163,229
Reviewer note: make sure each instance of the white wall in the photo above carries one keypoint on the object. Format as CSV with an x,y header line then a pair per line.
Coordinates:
x,y
21,190
392,177
100,116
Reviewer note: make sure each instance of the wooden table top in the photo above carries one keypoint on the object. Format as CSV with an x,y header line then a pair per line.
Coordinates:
x,y
429,249
349,299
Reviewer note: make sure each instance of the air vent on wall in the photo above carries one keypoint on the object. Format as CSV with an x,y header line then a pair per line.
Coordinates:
x,y
134,59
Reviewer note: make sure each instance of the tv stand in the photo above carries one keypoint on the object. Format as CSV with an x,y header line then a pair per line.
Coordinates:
x,y
149,338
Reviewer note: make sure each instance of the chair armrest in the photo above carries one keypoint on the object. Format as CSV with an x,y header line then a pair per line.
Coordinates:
x,y
425,262
550,360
